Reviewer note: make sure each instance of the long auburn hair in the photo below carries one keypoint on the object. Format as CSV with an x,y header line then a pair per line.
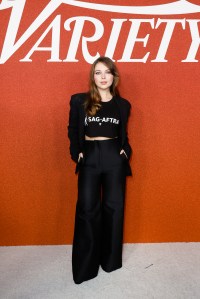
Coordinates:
x,y
93,99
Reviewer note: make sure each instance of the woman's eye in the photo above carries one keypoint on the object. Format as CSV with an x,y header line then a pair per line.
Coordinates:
x,y
97,73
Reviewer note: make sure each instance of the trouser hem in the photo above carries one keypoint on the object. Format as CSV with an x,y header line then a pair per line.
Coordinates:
x,y
111,270
80,281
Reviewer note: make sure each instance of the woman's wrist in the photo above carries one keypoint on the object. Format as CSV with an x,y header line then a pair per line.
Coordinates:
x,y
123,152
80,156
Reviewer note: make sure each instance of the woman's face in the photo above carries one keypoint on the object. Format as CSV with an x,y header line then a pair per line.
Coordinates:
x,y
102,76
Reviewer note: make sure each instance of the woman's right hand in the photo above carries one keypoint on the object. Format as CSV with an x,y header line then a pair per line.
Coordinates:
x,y
80,156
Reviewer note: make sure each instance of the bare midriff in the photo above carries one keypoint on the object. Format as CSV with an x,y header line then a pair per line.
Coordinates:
x,y
98,138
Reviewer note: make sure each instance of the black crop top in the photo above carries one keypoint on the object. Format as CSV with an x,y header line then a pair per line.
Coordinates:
x,y
105,122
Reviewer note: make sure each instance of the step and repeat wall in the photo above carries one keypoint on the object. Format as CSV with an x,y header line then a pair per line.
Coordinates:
x,y
46,51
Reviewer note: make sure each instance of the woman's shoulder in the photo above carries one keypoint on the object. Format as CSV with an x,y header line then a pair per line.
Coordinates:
x,y
78,98
124,101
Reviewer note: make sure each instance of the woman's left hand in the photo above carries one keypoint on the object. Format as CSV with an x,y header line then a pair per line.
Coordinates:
x,y
123,152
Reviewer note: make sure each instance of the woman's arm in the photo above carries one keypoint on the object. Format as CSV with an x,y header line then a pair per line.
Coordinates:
x,y
73,127
126,147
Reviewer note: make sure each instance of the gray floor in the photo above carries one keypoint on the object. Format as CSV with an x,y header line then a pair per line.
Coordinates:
x,y
166,270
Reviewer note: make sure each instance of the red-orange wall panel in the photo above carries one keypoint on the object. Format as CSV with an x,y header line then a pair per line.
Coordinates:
x,y
38,183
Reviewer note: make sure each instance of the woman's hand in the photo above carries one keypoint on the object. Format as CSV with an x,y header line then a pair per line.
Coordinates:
x,y
80,156
123,152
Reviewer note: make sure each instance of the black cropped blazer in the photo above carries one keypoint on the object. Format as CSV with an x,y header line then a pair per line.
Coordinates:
x,y
76,127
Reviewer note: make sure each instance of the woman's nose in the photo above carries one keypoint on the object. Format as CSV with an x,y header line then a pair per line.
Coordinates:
x,y
102,75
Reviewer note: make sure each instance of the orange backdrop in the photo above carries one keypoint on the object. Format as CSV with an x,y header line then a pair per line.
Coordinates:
x,y
38,184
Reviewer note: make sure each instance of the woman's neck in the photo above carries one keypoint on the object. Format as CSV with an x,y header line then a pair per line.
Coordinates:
x,y
105,95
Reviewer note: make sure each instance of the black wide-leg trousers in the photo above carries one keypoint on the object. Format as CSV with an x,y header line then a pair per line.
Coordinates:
x,y
98,233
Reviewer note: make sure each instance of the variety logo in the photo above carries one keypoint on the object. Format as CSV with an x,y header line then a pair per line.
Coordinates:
x,y
11,45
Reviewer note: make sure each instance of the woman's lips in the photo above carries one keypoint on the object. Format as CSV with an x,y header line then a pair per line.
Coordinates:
x,y
103,82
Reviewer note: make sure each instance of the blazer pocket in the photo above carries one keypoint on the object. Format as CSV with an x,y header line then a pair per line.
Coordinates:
x,y
124,157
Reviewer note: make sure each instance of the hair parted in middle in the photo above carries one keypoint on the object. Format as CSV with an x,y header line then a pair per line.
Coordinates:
x,y
93,99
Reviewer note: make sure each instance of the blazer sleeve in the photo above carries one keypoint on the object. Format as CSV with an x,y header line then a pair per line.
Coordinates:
x,y
126,145
73,128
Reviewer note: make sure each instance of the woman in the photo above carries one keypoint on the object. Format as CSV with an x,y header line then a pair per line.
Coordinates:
x,y
99,145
